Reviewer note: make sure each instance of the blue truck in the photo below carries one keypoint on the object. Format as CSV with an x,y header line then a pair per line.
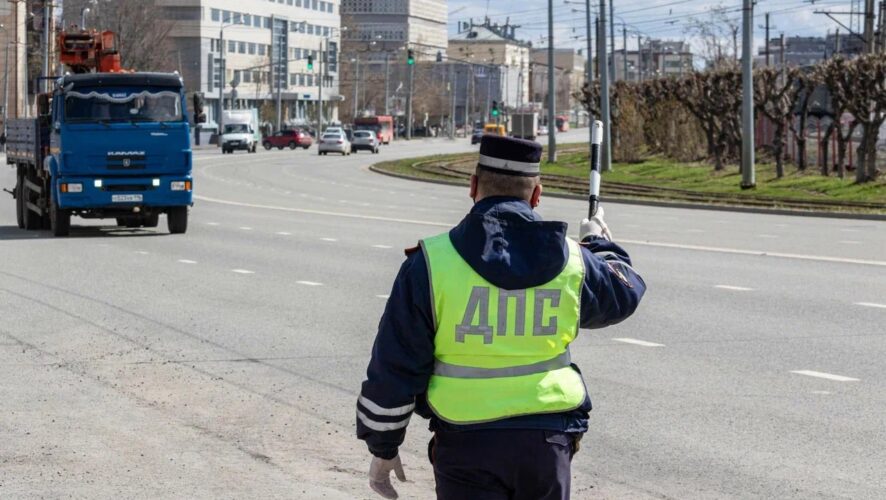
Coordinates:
x,y
104,145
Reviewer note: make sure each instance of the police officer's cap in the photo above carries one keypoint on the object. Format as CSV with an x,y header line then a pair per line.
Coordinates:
x,y
510,156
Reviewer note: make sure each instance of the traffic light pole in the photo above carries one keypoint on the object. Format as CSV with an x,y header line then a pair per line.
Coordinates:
x,y
221,84
409,101
320,92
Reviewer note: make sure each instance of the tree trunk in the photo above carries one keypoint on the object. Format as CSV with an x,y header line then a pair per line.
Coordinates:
x,y
824,145
778,148
871,157
860,170
709,135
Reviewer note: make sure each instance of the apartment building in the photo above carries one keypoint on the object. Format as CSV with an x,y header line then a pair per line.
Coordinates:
x,y
265,47
569,78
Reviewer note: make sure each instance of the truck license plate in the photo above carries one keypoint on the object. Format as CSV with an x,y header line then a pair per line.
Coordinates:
x,y
126,198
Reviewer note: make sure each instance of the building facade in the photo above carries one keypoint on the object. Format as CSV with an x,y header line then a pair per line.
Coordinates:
x,y
569,78
495,50
265,48
808,50
655,59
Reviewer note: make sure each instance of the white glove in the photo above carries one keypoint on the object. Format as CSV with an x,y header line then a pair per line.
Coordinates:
x,y
595,227
380,476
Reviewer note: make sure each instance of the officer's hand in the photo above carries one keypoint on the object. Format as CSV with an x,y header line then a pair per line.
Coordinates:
x,y
380,475
595,227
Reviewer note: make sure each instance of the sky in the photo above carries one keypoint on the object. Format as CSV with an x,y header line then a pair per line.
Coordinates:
x,y
666,19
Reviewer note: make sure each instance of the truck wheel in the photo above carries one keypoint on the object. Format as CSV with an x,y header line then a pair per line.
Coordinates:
x,y
177,220
19,197
152,220
267,145
30,219
60,220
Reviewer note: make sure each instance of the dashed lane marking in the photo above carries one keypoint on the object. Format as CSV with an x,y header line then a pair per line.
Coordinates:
x,y
309,283
246,228
871,304
657,244
186,261
328,239
383,296
638,342
734,288
828,376
284,233
382,246
142,252
242,271
212,223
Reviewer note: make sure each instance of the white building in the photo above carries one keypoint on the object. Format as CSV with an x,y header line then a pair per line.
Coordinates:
x,y
241,34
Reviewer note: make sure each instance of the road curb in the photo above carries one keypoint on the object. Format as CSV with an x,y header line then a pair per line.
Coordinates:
x,y
667,204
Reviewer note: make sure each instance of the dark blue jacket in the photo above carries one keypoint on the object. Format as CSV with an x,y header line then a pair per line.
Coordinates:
x,y
508,244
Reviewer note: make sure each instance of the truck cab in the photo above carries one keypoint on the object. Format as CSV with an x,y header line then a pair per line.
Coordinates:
x,y
110,145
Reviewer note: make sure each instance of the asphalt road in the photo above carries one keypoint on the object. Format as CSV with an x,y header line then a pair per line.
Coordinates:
x,y
225,363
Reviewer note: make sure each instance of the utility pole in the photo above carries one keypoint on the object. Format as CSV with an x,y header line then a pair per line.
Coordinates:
x,y
47,40
590,73
837,48
220,119
356,82
452,90
781,51
552,100
639,58
612,77
320,61
280,78
767,39
869,26
748,180
624,50
387,90
605,116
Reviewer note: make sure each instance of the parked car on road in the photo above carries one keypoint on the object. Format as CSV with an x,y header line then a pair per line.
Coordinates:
x,y
365,139
288,139
334,142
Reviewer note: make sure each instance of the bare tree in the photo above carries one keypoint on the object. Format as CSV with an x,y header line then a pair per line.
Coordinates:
x,y
713,33
835,73
867,102
774,97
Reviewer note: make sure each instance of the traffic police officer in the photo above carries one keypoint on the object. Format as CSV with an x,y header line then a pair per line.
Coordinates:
x,y
475,336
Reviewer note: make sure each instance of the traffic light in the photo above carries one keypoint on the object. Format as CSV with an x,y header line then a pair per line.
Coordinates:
x,y
410,57
310,63
494,108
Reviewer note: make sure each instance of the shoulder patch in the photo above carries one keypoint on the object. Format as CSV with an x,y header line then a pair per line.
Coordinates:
x,y
619,273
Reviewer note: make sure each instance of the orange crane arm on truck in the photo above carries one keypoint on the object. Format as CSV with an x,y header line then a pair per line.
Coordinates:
x,y
89,51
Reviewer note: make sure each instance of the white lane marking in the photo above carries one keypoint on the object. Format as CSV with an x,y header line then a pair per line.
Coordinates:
x,y
822,392
383,296
638,342
186,261
141,252
755,253
382,246
328,239
242,271
658,244
828,376
309,283
871,304
246,228
212,224
850,242
735,288
284,233
766,236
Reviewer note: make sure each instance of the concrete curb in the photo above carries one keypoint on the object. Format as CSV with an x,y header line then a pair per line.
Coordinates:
x,y
668,204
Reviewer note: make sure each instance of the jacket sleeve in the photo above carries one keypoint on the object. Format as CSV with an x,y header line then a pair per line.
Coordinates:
x,y
402,361
612,289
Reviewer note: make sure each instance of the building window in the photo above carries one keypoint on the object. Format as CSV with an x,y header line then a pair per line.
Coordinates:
x,y
314,4
310,29
247,19
252,49
232,46
325,30
256,21
241,47
301,80
237,18
267,23
261,49
216,15
247,76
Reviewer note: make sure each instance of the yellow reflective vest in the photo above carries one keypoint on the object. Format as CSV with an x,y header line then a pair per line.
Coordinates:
x,y
501,353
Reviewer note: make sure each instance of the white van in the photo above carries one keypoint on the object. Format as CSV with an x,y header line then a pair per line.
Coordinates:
x,y
240,130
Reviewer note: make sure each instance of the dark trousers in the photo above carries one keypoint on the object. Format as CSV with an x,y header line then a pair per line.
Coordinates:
x,y
502,464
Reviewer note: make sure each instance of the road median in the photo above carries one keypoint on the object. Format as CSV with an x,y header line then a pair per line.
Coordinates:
x,y
663,182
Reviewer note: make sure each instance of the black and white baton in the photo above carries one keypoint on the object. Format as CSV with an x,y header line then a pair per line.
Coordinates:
x,y
596,142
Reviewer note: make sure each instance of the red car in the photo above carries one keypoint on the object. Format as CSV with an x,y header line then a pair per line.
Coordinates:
x,y
288,138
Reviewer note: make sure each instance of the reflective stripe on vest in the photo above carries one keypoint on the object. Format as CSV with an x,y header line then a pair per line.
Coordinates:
x,y
501,353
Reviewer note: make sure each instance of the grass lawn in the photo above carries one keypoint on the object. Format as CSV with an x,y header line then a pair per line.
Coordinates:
x,y
701,178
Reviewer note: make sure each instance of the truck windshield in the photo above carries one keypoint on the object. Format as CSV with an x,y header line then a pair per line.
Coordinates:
x,y
237,128
112,106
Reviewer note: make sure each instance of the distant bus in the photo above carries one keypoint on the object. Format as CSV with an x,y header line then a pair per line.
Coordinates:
x,y
383,126
562,123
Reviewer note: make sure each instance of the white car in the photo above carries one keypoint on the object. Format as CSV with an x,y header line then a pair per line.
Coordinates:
x,y
365,139
335,142
238,136
334,130
542,130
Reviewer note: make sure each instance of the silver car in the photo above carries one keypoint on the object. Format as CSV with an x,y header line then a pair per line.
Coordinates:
x,y
365,139
335,142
